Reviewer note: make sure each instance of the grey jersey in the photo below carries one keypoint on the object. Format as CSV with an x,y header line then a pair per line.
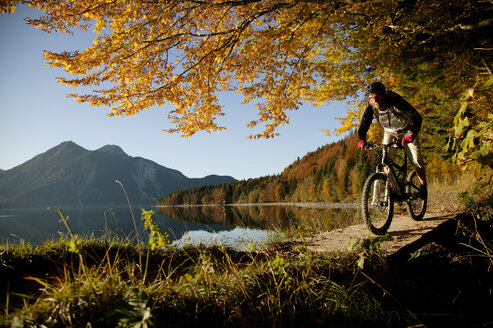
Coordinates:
x,y
398,116
393,120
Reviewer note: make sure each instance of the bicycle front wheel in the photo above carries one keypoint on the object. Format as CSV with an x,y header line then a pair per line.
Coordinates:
x,y
377,203
417,197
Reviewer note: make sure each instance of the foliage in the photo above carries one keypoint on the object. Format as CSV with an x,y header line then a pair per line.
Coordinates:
x,y
478,201
472,139
278,54
157,239
367,247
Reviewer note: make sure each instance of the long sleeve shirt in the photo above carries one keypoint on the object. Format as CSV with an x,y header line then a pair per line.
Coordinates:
x,y
397,116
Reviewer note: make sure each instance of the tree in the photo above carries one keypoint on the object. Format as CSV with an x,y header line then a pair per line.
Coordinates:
x,y
276,53
281,191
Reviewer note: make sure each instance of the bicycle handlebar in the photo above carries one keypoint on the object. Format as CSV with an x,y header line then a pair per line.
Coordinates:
x,y
395,143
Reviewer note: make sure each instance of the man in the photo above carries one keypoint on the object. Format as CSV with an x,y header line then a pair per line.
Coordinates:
x,y
399,119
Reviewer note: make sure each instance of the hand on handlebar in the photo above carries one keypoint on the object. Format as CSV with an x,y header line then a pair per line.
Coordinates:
x,y
362,144
407,139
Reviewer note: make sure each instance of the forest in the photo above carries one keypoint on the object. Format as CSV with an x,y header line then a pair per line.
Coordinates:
x,y
333,173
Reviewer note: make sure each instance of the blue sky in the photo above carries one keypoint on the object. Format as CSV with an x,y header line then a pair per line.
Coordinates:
x,y
35,115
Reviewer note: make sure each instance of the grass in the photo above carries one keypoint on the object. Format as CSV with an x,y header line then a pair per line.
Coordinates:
x,y
119,284
453,182
124,285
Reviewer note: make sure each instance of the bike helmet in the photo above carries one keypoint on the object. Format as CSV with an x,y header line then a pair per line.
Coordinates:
x,y
375,87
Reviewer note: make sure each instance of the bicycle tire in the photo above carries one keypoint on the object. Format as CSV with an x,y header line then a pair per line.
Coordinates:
x,y
417,201
377,209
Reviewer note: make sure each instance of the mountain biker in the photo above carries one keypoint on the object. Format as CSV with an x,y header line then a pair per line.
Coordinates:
x,y
399,119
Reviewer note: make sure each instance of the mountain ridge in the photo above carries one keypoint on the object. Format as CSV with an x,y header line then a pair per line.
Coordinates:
x,y
70,175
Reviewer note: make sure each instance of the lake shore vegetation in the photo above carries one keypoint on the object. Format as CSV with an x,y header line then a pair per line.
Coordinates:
x,y
110,282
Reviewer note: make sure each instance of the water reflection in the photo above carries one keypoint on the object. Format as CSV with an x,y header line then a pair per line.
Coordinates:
x,y
228,225
267,217
37,225
239,238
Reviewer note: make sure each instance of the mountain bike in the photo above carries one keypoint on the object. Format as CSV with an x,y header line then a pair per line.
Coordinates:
x,y
390,183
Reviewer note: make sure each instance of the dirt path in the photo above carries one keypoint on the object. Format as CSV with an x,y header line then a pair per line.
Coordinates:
x,y
442,206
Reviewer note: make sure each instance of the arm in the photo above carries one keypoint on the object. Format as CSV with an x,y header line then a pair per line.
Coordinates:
x,y
365,123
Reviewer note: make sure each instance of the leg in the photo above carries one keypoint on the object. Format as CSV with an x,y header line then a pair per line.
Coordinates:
x,y
418,194
421,174
414,153
388,138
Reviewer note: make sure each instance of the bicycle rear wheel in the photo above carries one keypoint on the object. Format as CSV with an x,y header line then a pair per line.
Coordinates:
x,y
377,203
417,197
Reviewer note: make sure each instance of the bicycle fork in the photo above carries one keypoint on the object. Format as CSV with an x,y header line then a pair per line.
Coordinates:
x,y
392,183
376,200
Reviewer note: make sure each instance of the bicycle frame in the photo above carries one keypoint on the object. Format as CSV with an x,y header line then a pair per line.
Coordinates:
x,y
396,173
378,204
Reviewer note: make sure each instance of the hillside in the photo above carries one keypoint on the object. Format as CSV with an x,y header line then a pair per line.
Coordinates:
x,y
69,175
332,173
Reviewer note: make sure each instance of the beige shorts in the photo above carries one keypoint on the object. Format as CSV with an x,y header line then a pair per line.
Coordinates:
x,y
413,149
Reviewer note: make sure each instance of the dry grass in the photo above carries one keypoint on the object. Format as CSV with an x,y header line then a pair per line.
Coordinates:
x,y
118,284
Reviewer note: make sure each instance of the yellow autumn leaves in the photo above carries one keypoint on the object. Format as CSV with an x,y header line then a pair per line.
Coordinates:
x,y
276,54
187,52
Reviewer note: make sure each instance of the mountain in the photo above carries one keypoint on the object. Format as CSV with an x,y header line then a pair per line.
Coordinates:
x,y
69,175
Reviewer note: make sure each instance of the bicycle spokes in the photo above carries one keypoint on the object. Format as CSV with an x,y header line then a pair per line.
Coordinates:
x,y
377,203
417,197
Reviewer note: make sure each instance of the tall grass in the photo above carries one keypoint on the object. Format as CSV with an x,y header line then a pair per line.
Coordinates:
x,y
187,287
115,283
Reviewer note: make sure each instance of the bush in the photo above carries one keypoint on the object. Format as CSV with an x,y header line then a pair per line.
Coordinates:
x,y
478,201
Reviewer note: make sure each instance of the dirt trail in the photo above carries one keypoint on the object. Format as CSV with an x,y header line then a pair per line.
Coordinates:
x,y
442,206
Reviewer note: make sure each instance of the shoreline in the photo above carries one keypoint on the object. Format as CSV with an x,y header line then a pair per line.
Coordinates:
x,y
348,205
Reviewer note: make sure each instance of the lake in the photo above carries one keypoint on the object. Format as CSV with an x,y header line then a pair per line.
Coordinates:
x,y
236,226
